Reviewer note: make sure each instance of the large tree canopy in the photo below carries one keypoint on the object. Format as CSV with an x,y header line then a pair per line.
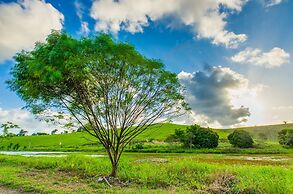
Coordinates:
x,y
114,92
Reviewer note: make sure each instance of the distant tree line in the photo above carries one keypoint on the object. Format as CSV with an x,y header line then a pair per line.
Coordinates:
x,y
196,136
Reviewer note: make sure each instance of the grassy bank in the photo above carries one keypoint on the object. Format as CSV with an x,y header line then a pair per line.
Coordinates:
x,y
157,173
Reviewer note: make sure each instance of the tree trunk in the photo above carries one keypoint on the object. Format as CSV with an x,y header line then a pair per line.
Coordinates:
x,y
114,169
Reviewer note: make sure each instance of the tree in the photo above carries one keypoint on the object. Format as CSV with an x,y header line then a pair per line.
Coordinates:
x,y
22,132
98,81
241,139
199,137
286,137
54,131
6,126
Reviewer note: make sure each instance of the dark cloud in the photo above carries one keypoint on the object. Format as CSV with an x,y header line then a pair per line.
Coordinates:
x,y
207,92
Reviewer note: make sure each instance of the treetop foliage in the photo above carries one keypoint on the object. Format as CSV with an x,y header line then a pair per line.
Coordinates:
x,y
100,82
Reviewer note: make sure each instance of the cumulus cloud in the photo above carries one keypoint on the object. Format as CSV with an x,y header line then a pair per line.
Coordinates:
x,y
209,93
202,16
25,22
84,29
271,59
27,121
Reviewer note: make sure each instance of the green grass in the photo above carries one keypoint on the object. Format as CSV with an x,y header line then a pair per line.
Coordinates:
x,y
82,141
147,173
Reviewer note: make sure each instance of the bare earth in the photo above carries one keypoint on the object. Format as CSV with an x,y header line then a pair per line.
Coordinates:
x,y
4,190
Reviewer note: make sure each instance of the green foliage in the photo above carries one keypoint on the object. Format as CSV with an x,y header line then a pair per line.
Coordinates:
x,y
6,126
22,133
39,133
100,82
138,146
54,131
195,136
241,139
178,136
16,147
286,137
199,137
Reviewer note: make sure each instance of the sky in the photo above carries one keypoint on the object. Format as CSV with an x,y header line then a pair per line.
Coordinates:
x,y
234,57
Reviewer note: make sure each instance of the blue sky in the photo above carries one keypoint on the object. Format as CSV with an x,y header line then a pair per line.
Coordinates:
x,y
247,44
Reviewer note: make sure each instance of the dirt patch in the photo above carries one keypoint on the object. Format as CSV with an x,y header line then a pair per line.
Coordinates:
x,y
58,180
8,191
248,160
222,183
264,158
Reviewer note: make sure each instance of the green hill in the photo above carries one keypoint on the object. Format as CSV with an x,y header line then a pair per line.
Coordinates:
x,y
82,140
268,131
77,140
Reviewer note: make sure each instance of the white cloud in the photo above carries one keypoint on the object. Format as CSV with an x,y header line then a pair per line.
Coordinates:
x,y
271,59
202,16
25,22
27,121
212,95
84,29
273,2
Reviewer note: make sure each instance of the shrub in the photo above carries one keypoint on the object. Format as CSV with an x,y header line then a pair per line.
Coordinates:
x,y
9,146
138,146
16,147
199,137
241,139
286,137
178,136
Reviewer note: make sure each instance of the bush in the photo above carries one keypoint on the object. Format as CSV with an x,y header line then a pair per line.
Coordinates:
x,y
240,139
178,136
16,147
138,146
199,137
286,137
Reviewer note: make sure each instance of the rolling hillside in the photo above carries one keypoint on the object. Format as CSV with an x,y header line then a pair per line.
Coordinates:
x,y
270,131
79,140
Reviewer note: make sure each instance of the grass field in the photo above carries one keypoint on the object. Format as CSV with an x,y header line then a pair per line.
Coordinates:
x,y
266,168
150,173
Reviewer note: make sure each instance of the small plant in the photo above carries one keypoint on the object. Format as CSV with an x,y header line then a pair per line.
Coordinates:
x,y
286,137
9,146
16,147
240,139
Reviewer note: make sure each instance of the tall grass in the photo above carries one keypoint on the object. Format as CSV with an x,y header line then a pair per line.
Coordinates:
x,y
184,172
